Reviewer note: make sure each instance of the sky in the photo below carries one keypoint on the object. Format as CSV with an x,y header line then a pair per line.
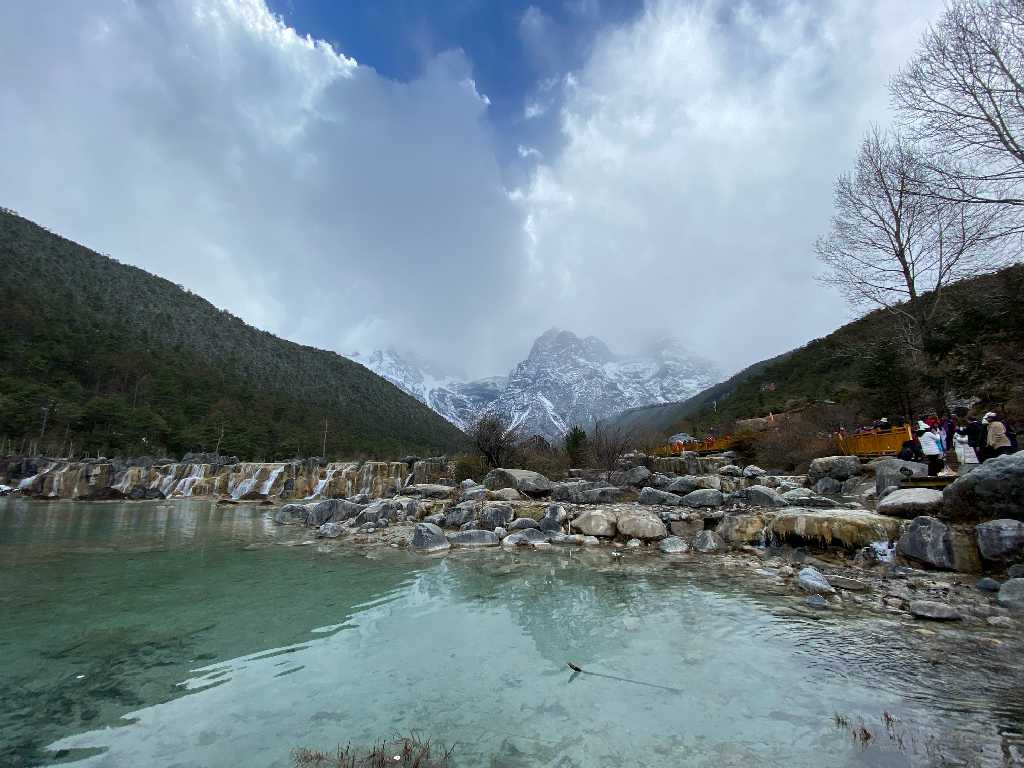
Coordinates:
x,y
450,178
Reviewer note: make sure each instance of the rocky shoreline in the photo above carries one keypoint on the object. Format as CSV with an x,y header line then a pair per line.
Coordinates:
x,y
844,534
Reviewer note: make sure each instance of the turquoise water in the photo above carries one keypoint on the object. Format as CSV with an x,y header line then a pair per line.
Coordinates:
x,y
183,634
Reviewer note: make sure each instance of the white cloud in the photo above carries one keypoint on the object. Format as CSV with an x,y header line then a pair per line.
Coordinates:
x,y
209,143
700,147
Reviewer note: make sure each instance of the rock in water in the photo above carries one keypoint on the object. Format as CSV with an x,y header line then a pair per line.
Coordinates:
x,y
553,518
1001,540
473,539
929,609
429,538
1011,595
993,490
708,541
331,530
673,545
641,525
596,522
525,537
812,580
911,502
817,602
929,542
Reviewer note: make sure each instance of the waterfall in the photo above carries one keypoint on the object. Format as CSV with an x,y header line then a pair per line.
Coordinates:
x,y
323,482
269,484
184,486
26,482
168,482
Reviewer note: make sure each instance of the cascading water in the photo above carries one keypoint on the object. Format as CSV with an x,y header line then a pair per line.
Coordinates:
x,y
168,482
185,485
269,484
323,482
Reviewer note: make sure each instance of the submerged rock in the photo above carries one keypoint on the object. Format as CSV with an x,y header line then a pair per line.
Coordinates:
x,y
429,538
929,609
987,584
673,545
331,530
708,541
526,537
810,579
817,602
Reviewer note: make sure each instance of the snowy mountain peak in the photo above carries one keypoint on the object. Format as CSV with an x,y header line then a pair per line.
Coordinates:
x,y
565,380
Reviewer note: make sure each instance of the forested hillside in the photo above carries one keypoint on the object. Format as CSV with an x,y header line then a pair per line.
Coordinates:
x,y
125,361
864,366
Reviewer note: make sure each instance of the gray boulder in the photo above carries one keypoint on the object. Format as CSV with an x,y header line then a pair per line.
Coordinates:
x,y
752,470
928,541
673,545
762,496
429,538
1011,594
428,491
828,486
747,528
658,480
641,525
331,530
837,467
1001,540
437,519
596,522
1016,571
568,539
683,485
334,510
473,539
495,514
810,579
929,609
500,532
888,474
637,477
987,584
291,513
553,518
911,502
461,513
731,470
704,497
479,493
506,494
522,523
523,480
993,490
526,537
653,496
708,541
817,602
688,527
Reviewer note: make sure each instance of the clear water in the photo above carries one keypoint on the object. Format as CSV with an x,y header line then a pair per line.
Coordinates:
x,y
183,634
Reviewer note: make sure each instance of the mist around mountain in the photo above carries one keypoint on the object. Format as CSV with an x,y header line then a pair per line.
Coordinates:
x,y
564,380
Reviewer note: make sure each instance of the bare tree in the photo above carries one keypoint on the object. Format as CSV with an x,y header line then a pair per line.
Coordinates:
x,y
963,95
894,245
495,440
610,444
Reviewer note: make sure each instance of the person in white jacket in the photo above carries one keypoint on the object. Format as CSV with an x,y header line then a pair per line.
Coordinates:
x,y
931,447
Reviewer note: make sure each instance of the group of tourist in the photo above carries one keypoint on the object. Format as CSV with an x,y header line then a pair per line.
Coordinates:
x,y
964,443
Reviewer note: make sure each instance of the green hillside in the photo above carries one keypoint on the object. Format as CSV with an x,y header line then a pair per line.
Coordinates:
x,y
864,369
129,362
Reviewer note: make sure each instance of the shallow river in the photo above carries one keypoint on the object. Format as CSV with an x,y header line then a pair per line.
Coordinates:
x,y
183,634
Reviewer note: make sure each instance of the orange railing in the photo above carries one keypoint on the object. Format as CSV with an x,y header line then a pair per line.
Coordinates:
x,y
877,443
711,445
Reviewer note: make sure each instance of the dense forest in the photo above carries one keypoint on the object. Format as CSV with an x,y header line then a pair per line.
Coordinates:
x,y
97,357
864,369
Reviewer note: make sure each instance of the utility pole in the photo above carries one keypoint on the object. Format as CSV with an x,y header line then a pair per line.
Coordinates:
x,y
324,452
42,429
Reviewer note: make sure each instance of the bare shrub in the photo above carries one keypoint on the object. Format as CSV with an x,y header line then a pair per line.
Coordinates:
x,y
495,439
470,466
610,444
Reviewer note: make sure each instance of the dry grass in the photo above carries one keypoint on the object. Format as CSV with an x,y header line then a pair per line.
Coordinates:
x,y
399,752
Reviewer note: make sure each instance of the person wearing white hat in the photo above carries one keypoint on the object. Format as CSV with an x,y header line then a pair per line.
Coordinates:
x,y
931,447
997,441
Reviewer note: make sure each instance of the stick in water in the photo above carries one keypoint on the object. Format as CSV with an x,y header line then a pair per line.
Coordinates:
x,y
579,670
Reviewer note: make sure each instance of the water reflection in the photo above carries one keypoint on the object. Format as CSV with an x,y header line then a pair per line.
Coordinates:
x,y
222,655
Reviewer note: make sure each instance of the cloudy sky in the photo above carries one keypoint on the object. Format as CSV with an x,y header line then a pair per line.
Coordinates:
x,y
452,178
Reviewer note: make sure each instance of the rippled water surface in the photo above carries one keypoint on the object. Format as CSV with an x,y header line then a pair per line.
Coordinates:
x,y
183,634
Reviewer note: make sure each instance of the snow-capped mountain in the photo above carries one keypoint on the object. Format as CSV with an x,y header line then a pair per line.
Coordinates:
x,y
565,380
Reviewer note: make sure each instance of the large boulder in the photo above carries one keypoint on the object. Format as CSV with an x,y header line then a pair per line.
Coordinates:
x,y
993,490
522,523
585,492
495,514
763,496
890,472
331,510
909,503
473,539
752,470
291,513
1011,595
673,545
704,497
745,528
837,467
847,528
523,480
930,609
429,538
637,477
708,541
1001,540
428,491
828,486
688,527
553,518
731,470
653,496
641,525
929,542
527,537
810,579
505,494
683,485
331,530
461,513
596,522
